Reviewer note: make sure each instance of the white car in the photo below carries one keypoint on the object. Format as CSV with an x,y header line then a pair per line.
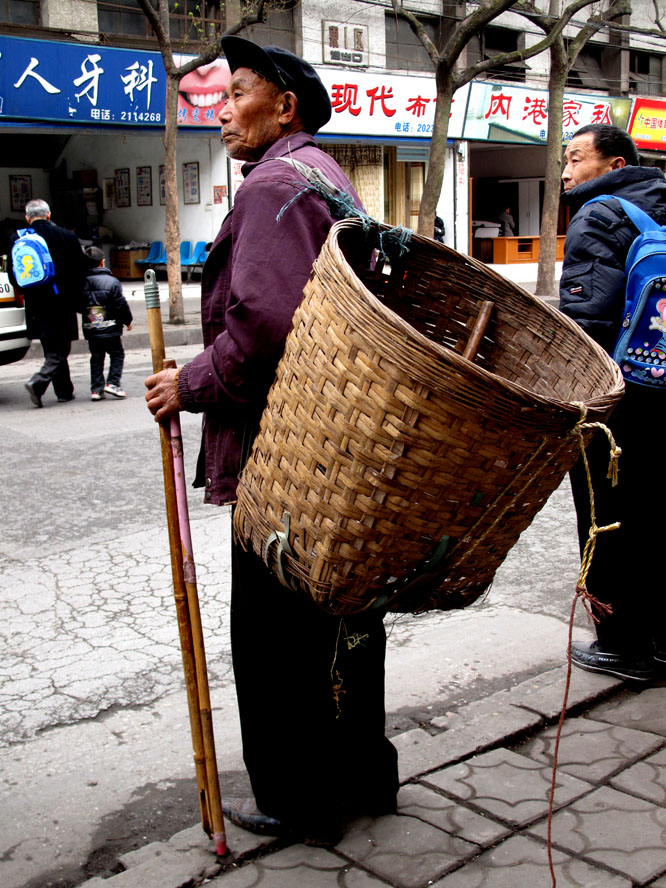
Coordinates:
x,y
13,340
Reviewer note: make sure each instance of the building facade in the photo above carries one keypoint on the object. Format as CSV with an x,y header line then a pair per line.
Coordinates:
x,y
81,114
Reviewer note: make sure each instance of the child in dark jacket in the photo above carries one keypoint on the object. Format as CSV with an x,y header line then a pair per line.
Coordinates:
x,y
105,315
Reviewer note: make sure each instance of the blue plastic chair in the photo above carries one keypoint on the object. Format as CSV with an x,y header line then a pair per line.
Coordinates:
x,y
199,252
186,252
197,258
154,254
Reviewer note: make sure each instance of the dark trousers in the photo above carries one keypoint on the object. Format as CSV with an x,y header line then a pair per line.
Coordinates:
x,y
625,570
55,368
310,690
99,348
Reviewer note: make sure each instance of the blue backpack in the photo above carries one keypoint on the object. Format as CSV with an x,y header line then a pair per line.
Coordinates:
x,y
31,260
640,349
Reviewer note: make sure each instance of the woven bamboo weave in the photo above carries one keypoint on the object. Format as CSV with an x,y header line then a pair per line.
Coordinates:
x,y
380,442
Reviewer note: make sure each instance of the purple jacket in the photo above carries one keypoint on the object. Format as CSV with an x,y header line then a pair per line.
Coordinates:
x,y
252,283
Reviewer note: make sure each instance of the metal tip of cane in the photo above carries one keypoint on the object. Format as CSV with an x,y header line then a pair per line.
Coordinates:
x,y
151,291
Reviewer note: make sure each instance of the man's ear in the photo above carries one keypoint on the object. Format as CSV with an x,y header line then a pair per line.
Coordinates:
x,y
618,163
288,107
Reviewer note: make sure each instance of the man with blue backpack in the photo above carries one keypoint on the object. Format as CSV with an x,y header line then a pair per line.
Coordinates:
x,y
47,265
611,285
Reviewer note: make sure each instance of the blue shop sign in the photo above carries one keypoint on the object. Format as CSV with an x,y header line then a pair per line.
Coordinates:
x,y
84,83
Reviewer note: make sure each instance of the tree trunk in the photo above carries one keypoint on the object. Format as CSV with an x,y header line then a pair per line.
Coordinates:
x,y
172,226
551,199
437,158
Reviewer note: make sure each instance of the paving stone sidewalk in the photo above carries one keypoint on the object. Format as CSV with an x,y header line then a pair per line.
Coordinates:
x,y
473,805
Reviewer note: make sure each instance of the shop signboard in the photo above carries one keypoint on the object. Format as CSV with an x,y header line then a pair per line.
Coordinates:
x,y
497,112
648,124
78,83
386,106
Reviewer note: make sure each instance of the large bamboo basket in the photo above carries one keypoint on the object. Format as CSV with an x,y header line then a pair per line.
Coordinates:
x,y
381,447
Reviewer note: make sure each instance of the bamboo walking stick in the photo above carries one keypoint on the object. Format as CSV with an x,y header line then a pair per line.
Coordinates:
x,y
185,594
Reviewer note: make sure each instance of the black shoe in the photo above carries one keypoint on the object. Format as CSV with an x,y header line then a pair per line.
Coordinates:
x,y
34,397
65,400
660,657
246,814
592,657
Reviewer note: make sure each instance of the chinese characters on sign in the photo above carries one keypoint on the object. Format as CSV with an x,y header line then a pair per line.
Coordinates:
x,y
376,105
648,123
499,112
78,83
345,43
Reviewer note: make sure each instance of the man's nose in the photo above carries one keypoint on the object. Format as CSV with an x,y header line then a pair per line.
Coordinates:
x,y
224,114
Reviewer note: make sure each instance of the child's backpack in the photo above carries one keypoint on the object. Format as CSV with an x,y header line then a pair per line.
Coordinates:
x,y
641,347
31,260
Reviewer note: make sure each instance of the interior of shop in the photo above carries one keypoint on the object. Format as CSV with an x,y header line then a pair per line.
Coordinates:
x,y
109,188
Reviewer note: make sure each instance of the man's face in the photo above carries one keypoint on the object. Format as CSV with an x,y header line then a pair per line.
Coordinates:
x,y
583,162
251,117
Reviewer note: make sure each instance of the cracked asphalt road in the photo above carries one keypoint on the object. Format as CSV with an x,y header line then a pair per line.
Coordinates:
x,y
95,754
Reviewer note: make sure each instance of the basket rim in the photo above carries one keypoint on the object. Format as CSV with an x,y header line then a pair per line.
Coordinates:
x,y
449,355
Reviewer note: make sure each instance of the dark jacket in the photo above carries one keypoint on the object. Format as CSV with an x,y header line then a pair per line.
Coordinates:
x,y
593,281
252,283
51,315
106,308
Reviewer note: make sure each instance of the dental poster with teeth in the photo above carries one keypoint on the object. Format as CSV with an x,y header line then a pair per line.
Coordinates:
x,y
202,93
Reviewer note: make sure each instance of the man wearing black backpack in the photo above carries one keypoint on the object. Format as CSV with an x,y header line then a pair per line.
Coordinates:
x,y
51,312
631,640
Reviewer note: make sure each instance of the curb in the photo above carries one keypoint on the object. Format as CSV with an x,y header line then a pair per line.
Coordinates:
x,y
187,334
505,717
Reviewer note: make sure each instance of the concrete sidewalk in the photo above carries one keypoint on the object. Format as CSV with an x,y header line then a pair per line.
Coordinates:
x,y
473,805
137,337
190,332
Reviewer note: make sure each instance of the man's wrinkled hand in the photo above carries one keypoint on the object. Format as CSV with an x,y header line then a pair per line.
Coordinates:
x,y
161,397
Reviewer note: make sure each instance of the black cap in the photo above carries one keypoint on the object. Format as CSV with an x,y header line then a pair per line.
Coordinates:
x,y
287,71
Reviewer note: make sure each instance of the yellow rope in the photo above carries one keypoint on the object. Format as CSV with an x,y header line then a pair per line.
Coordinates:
x,y
590,603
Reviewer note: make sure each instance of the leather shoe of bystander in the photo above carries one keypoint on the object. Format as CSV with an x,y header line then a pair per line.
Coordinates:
x,y
594,658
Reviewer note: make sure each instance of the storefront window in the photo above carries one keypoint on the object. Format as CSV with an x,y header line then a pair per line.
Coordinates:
x,y
493,42
646,73
19,12
189,20
277,30
404,50
588,71
122,17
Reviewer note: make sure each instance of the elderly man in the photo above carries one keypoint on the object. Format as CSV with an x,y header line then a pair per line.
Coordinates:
x,y
51,314
631,641
314,755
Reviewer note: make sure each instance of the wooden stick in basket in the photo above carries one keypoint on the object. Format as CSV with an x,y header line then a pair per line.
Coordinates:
x,y
482,319
185,594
